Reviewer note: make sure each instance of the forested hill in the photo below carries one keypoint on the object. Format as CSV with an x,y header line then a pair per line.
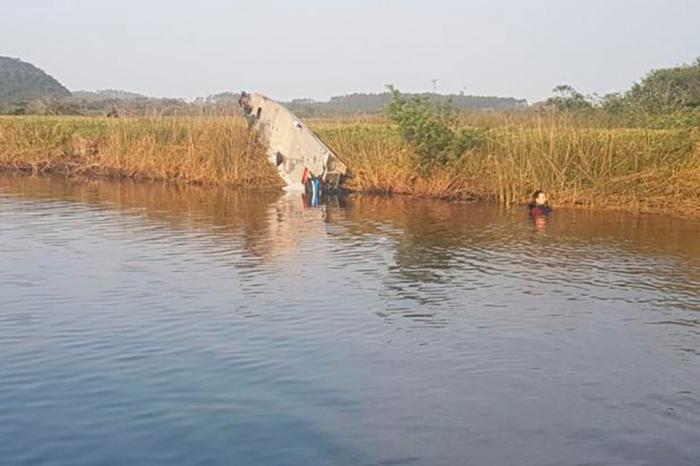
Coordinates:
x,y
372,103
21,81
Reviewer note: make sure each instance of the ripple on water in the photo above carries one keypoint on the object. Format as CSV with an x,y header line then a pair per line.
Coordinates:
x,y
146,325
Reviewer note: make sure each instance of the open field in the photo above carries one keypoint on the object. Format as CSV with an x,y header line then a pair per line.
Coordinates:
x,y
579,163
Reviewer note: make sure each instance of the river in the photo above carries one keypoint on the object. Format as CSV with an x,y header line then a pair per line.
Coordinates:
x,y
160,325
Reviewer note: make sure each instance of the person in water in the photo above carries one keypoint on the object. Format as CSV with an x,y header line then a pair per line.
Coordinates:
x,y
539,204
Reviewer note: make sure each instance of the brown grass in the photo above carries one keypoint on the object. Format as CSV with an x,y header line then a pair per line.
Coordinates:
x,y
214,151
638,169
578,162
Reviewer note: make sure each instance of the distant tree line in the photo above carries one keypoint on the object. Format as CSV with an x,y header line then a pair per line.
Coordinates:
x,y
376,103
664,97
128,103
120,103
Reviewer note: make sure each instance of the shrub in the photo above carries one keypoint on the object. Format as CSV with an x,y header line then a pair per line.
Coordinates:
x,y
430,128
568,99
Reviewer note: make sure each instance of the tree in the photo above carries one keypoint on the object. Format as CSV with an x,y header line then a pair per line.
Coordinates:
x,y
614,104
667,90
568,99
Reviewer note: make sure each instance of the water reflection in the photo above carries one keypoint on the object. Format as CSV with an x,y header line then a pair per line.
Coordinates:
x,y
539,222
367,330
248,212
425,246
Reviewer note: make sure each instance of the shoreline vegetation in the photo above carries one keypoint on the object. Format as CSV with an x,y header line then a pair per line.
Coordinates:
x,y
638,151
502,158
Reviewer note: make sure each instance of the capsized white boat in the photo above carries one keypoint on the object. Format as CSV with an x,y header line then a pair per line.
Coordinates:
x,y
292,147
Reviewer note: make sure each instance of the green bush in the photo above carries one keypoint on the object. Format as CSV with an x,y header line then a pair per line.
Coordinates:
x,y
431,129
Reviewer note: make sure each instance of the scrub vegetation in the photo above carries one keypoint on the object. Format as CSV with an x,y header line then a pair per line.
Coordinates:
x,y
637,168
638,150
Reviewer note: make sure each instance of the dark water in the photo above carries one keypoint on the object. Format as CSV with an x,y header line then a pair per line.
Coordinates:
x,y
149,325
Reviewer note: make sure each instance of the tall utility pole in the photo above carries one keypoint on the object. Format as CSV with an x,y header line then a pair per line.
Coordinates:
x,y
435,83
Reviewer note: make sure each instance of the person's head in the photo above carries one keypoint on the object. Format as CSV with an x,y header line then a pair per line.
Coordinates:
x,y
539,198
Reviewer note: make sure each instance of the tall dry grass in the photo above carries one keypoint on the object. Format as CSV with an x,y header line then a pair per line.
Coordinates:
x,y
576,161
217,151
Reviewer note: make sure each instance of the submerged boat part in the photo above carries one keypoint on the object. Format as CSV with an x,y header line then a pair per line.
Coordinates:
x,y
292,147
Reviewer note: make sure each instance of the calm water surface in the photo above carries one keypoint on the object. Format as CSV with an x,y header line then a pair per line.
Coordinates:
x,y
142,324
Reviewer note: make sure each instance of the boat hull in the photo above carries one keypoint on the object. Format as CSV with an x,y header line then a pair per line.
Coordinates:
x,y
296,151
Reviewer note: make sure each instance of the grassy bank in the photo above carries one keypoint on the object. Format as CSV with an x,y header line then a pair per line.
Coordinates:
x,y
213,151
577,161
579,164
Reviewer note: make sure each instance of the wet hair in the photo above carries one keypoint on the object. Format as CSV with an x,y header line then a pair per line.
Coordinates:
x,y
536,194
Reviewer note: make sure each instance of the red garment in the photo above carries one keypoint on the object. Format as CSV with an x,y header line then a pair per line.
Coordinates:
x,y
536,210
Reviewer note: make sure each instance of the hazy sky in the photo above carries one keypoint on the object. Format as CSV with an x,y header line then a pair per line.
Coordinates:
x,y
314,48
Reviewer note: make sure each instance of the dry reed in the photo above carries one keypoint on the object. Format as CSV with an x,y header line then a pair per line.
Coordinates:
x,y
640,169
577,162
215,151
